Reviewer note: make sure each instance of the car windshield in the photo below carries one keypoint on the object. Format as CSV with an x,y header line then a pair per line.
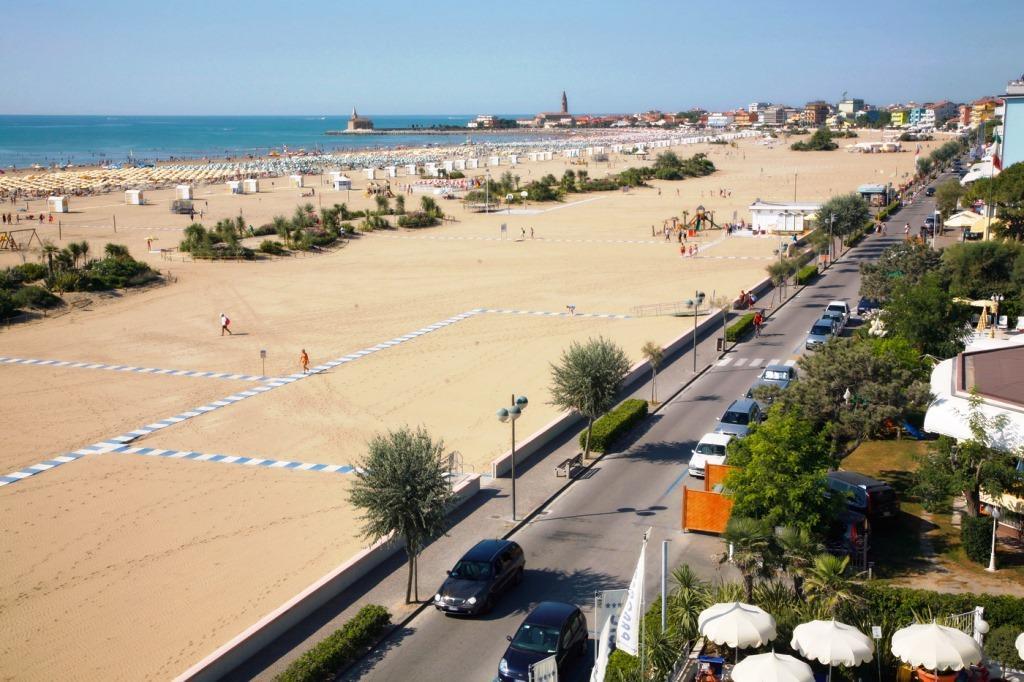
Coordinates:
x,y
710,449
539,638
775,375
835,309
472,570
821,330
731,417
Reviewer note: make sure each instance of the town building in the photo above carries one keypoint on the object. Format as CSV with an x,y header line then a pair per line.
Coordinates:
x,y
772,116
983,109
719,120
553,119
357,122
849,107
815,113
780,218
482,121
914,116
938,113
756,107
899,118
1013,124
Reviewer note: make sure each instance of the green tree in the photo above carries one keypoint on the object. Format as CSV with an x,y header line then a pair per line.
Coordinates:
x,y
798,548
927,316
828,586
690,595
749,548
780,473
400,204
980,269
899,266
924,166
976,465
886,379
843,215
401,488
821,141
653,353
947,196
383,205
49,250
283,228
116,251
587,378
430,207
1005,192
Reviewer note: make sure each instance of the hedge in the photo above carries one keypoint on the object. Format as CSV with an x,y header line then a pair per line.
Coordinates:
x,y
739,328
340,648
900,604
33,296
806,274
613,425
976,537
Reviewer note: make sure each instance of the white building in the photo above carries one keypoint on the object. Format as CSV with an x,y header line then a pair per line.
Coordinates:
x,y
719,120
755,107
787,218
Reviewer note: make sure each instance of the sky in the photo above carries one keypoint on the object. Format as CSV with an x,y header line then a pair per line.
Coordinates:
x,y
408,57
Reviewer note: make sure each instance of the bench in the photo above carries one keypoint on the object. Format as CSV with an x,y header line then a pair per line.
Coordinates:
x,y
568,465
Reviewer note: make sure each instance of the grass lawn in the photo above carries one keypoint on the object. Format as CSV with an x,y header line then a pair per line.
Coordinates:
x,y
916,542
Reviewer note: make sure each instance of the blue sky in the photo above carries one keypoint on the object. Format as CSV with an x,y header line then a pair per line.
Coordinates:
x,y
398,56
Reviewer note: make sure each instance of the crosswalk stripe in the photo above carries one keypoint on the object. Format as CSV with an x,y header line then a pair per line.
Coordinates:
x,y
790,363
756,362
724,361
773,361
741,362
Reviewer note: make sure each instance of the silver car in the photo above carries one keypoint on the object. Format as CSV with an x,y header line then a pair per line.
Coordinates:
x,y
780,376
739,416
821,333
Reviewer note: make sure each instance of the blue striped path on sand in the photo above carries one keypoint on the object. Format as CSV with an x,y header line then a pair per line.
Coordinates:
x,y
128,368
231,459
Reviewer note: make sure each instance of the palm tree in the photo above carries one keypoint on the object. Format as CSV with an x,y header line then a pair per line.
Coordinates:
x,y
653,354
799,548
383,205
587,379
116,251
401,486
74,250
827,585
283,228
49,250
430,207
83,250
400,204
751,548
690,596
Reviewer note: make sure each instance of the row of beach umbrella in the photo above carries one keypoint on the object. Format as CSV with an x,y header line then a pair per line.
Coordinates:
x,y
922,645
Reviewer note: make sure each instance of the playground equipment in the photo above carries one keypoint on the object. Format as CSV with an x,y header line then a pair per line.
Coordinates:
x,y
376,189
703,219
10,242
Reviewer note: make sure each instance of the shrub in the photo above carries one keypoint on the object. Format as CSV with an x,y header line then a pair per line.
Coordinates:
x,y
34,297
31,272
340,648
7,306
417,219
264,230
275,248
976,537
622,666
806,274
900,604
456,175
740,328
117,273
999,645
614,424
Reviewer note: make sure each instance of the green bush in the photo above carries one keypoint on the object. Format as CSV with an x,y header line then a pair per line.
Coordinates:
x,y
976,537
738,329
622,666
31,272
805,274
340,648
999,645
613,425
7,306
900,604
417,219
264,230
274,248
34,297
118,273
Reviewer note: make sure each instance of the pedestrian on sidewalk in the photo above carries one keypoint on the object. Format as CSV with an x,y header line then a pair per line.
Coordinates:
x,y
225,325
304,361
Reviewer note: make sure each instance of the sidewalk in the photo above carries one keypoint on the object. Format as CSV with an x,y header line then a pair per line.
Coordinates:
x,y
488,514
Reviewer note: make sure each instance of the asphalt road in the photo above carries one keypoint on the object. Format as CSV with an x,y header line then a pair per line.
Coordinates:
x,y
589,537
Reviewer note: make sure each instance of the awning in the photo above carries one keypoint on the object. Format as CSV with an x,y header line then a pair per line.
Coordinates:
x,y
963,219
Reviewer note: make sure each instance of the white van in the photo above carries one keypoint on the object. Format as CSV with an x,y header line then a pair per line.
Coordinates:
x,y
710,450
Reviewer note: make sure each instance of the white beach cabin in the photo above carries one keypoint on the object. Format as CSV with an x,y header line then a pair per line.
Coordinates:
x,y
340,182
787,218
250,186
134,197
296,181
371,173
392,171
57,204
234,186
183,192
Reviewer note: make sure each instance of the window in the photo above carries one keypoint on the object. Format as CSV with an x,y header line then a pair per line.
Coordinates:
x,y
736,418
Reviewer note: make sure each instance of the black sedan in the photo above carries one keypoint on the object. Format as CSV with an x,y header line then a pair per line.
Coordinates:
x,y
489,568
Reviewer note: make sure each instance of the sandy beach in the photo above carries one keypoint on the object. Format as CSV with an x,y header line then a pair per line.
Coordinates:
x,y
177,556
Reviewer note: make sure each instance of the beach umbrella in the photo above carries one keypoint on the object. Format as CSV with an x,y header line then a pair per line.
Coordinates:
x,y
1020,645
832,643
935,647
736,625
772,667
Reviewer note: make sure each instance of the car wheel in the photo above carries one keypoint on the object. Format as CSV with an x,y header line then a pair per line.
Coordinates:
x,y
519,577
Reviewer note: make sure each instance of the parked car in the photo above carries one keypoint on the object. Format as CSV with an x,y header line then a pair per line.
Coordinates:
x,y
837,317
929,192
552,629
865,495
738,417
840,307
821,332
866,306
484,572
780,376
710,450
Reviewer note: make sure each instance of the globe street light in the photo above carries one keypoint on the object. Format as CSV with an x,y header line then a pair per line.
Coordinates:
x,y
508,201
524,194
511,414
996,513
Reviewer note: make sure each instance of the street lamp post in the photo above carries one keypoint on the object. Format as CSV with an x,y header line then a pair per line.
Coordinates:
x,y
995,527
831,222
487,191
508,202
996,298
935,227
524,194
511,414
697,300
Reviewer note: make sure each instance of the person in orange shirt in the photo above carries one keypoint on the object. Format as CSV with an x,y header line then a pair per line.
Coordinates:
x,y
304,359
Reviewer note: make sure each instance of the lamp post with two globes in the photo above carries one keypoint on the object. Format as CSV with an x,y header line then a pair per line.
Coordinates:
x,y
511,414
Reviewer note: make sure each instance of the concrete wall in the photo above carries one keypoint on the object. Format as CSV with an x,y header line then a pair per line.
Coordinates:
x,y
528,447
286,616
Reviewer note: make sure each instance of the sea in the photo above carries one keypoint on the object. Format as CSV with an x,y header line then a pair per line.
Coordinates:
x,y
81,140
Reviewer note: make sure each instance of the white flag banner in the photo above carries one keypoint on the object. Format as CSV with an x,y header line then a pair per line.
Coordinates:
x,y
604,645
627,634
544,670
607,607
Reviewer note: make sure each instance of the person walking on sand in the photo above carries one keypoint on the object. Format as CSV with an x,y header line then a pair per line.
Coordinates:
x,y
225,325
304,361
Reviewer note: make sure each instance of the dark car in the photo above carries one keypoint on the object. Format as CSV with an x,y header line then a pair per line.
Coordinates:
x,y
484,572
551,629
865,495
866,305
739,417
929,192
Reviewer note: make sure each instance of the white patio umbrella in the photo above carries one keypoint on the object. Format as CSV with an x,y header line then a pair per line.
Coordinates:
x,y
772,667
1020,645
935,647
833,643
736,625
